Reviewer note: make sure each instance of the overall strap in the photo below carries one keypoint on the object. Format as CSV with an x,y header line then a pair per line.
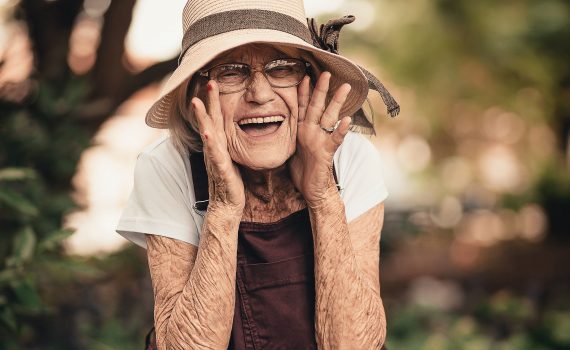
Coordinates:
x,y
200,181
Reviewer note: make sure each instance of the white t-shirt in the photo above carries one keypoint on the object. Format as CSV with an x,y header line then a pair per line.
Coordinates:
x,y
163,194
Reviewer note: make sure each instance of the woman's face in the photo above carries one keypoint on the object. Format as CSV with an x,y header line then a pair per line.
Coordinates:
x,y
259,146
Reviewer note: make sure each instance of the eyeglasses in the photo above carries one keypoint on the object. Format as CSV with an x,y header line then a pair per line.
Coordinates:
x,y
280,73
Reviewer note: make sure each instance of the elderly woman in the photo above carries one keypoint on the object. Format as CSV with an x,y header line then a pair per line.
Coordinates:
x,y
262,211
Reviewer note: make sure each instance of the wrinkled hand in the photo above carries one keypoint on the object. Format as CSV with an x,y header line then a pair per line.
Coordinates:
x,y
311,166
226,187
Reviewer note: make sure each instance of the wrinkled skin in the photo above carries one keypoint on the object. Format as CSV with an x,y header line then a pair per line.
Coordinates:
x,y
264,157
261,153
263,179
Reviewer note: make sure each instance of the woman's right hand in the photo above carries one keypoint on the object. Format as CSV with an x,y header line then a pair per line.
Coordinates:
x,y
226,187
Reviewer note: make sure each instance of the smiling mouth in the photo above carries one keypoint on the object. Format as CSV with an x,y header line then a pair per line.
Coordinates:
x,y
260,126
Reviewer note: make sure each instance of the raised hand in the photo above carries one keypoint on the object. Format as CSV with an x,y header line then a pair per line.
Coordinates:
x,y
311,165
226,187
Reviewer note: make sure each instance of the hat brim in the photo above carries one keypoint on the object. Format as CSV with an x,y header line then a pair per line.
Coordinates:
x,y
342,69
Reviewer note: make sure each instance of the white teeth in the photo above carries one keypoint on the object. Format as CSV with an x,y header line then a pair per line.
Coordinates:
x,y
261,120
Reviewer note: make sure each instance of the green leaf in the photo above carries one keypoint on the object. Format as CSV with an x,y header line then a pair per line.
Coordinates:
x,y
27,295
69,269
12,174
54,239
8,319
7,275
18,202
24,246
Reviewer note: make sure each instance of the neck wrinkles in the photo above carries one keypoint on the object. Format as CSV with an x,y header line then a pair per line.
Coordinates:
x,y
270,195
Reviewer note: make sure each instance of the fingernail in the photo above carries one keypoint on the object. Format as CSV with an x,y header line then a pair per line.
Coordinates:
x,y
205,136
209,86
193,105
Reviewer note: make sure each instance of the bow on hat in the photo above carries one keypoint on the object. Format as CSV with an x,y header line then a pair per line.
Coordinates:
x,y
326,37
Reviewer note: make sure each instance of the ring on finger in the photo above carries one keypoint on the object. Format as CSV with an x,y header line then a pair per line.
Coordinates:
x,y
329,129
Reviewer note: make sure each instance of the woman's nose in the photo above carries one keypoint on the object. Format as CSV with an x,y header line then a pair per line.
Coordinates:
x,y
258,89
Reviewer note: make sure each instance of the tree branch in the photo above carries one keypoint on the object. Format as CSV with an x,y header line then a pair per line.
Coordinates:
x,y
149,75
50,25
96,111
109,73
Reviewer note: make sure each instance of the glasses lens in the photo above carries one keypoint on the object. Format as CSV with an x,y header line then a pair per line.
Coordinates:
x,y
285,72
230,76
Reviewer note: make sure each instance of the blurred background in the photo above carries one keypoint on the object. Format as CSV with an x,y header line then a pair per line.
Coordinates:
x,y
475,248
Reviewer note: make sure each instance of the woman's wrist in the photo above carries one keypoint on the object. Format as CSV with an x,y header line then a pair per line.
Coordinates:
x,y
224,211
330,196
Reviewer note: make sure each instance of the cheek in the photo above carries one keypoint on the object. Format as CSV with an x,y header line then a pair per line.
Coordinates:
x,y
228,104
289,97
261,155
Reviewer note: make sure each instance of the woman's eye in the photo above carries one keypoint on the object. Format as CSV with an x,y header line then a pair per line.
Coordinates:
x,y
230,74
281,70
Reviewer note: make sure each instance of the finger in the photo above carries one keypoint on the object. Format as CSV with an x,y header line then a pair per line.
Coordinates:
x,y
214,109
303,95
341,130
318,99
201,114
330,116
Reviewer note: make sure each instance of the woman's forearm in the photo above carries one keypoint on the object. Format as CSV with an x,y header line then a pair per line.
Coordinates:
x,y
199,314
349,311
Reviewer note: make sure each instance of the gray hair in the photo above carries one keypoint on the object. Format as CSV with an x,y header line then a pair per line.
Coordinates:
x,y
183,126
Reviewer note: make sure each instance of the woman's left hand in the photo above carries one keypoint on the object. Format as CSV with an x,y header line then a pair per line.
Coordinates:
x,y
311,166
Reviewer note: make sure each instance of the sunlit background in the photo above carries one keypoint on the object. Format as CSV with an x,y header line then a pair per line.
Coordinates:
x,y
475,243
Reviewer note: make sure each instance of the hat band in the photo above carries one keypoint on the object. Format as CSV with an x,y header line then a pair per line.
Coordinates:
x,y
227,21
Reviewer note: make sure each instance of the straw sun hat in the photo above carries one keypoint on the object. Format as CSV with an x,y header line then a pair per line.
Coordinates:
x,y
215,26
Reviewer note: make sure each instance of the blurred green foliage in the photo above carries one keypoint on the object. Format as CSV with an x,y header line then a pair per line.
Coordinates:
x,y
502,321
48,299
36,166
463,66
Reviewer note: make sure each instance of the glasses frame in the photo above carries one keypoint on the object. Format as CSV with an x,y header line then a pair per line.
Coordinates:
x,y
206,73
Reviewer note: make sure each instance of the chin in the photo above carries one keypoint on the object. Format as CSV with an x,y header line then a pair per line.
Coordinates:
x,y
264,162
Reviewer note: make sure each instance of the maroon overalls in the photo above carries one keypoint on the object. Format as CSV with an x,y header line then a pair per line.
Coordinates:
x,y
275,291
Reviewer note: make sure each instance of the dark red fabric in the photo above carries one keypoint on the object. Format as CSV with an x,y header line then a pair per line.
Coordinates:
x,y
275,296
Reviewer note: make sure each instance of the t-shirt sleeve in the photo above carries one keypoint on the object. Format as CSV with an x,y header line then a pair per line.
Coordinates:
x,y
157,204
359,173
